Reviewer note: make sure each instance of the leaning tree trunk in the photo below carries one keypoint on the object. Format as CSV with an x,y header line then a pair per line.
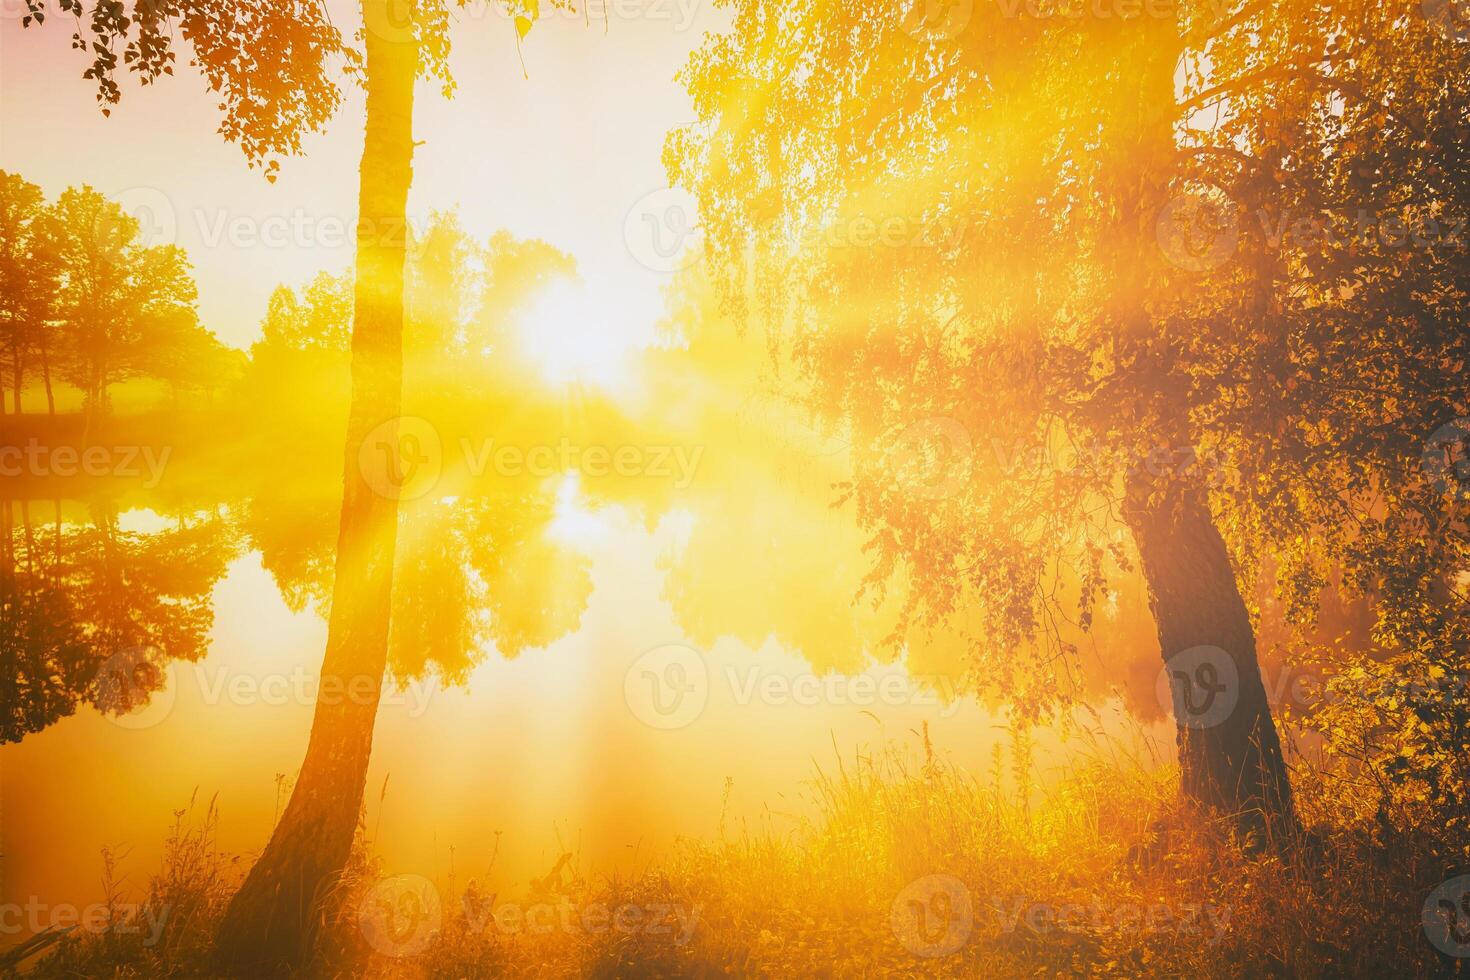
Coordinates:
x,y
1229,753
270,926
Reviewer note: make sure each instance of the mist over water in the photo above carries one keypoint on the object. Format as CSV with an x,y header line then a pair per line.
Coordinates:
x,y
553,751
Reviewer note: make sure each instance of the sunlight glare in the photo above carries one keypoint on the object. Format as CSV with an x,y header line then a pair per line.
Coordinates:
x,y
575,524
574,340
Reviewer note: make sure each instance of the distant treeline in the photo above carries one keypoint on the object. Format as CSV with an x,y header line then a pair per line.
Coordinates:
x,y
86,303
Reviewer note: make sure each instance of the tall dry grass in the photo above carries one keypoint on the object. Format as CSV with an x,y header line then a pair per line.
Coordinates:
x,y
1104,873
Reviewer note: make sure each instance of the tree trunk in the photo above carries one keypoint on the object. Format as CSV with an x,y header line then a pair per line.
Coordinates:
x,y
270,926
25,517
18,361
1229,753
7,546
89,406
46,379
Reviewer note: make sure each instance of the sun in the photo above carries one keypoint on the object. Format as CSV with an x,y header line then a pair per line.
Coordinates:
x,y
573,339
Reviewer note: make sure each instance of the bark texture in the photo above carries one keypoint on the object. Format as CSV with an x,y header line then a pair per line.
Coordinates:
x,y
1229,752
270,927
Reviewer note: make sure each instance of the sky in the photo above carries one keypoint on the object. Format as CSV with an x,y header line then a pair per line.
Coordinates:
x,y
565,152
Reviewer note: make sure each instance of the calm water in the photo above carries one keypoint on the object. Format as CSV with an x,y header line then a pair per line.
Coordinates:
x,y
610,742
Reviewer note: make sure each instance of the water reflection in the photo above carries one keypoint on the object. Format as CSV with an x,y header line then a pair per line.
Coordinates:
x,y
494,765
98,604
92,611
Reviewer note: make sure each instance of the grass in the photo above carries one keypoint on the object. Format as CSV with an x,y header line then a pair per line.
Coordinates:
x,y
911,869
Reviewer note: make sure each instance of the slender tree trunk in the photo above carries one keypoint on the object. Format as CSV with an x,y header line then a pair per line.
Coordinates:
x,y
46,379
7,547
89,406
18,362
271,923
1229,754
25,516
